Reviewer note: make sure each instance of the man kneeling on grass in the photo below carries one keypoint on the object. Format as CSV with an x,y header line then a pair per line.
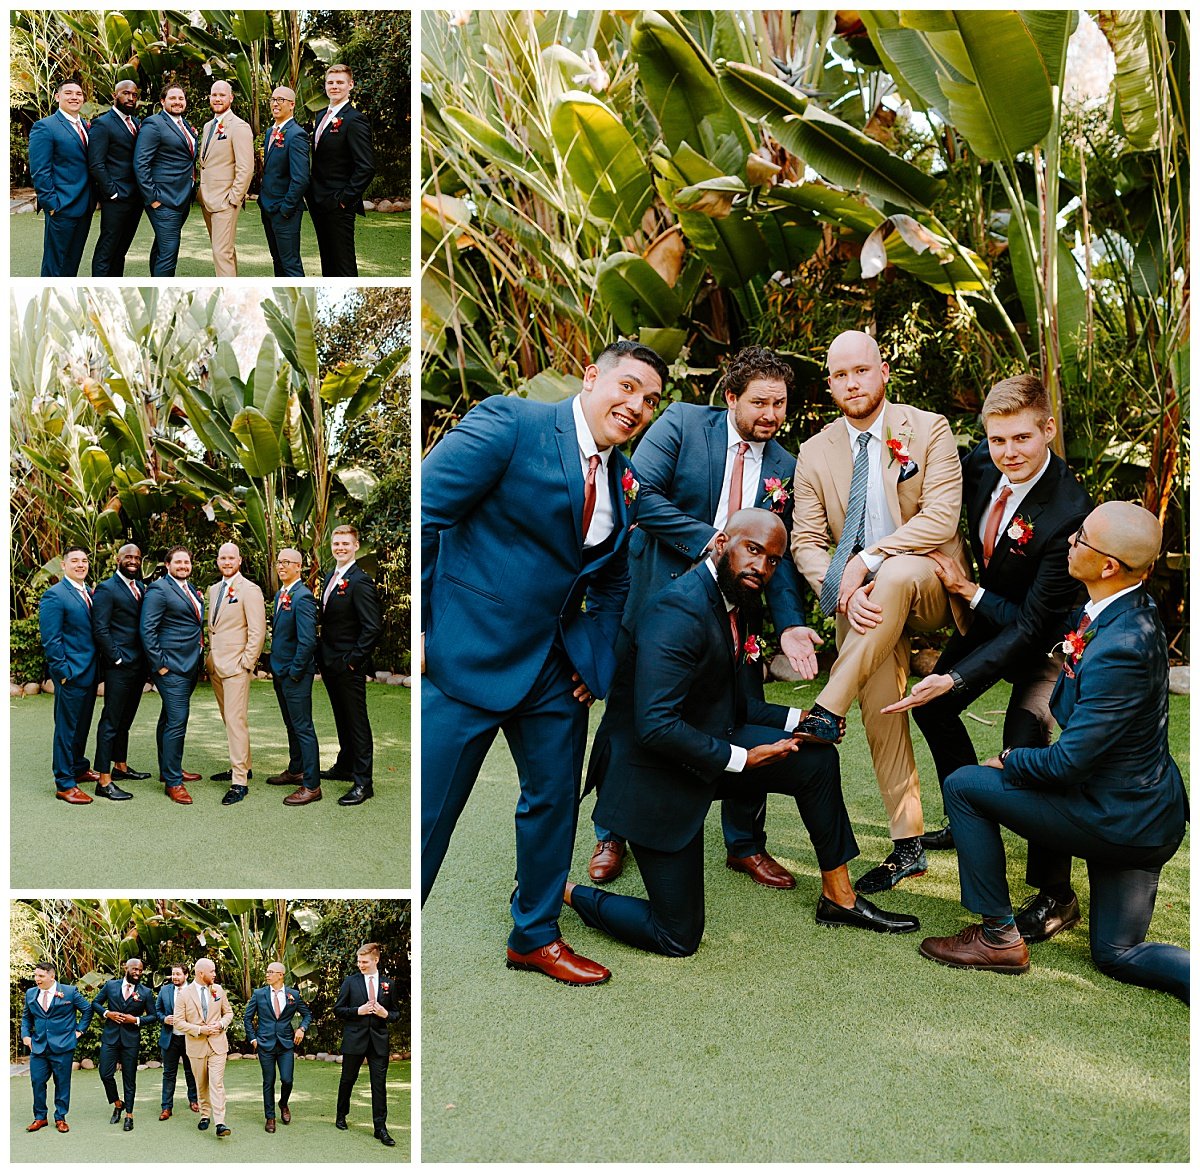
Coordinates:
x,y
681,731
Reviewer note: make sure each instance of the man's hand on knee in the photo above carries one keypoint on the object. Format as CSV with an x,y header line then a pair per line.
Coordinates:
x,y
853,577
862,611
775,751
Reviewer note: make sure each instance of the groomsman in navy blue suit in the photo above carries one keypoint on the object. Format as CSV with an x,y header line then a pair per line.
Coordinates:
x,y
126,1006
58,162
698,466
50,1028
525,516
111,140
284,182
1107,790
172,627
164,161
268,1022
293,665
116,616
65,623
172,1044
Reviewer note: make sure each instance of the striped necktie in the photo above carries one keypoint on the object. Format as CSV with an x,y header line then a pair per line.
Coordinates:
x,y
854,530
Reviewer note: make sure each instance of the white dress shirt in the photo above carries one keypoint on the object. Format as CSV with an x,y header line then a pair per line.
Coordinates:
x,y
879,521
751,470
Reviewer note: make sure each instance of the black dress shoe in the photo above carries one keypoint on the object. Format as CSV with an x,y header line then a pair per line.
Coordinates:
x,y
115,1118
227,776
222,1130
821,725
335,775
381,1135
128,1125
113,791
939,840
129,776
901,864
340,1122
356,794
1041,916
865,915
203,1124
234,794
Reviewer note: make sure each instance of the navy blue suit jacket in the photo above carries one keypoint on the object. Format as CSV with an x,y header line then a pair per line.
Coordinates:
x,y
275,1034
294,633
351,623
663,745
163,162
172,633
116,616
65,623
164,1007
504,573
54,1030
58,162
1030,594
285,173
680,463
343,162
1111,770
110,157
140,1003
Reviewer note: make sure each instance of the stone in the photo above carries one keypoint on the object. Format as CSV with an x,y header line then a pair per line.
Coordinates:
x,y
383,206
382,676
406,682
16,690
396,679
32,688
100,688
368,205
924,661
1179,679
86,1064
48,686
147,687
780,668
153,1063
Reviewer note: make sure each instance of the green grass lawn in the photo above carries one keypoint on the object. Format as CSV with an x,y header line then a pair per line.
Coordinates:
x,y
311,1135
383,243
782,1041
257,843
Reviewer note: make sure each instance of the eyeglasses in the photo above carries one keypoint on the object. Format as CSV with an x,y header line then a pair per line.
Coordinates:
x,y
289,101
1079,540
286,562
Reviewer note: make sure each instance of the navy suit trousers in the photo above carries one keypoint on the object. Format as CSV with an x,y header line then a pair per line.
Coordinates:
x,y
547,734
671,919
119,220
283,239
127,1055
175,689
295,703
356,747
1123,880
41,1068
122,696
73,708
168,225
285,1062
174,1054
63,242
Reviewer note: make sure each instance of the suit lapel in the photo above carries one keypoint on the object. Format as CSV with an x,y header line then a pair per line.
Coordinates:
x,y
839,467
1029,510
718,434
568,451
72,131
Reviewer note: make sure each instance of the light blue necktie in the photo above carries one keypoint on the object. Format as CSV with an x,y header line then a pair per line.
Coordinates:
x,y
854,532
204,1004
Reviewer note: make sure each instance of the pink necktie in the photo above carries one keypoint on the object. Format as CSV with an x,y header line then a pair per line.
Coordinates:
x,y
735,480
993,524
589,493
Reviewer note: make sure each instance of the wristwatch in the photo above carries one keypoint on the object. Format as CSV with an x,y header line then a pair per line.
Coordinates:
x,y
1004,754
958,682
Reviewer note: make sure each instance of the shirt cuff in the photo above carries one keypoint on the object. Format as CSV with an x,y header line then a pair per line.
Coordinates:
x,y
795,716
872,561
975,598
737,760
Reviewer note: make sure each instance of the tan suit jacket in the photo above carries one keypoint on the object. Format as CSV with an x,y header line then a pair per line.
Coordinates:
x,y
226,164
220,1013
237,634
925,508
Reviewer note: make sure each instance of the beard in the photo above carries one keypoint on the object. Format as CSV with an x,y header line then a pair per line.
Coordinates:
x,y
747,599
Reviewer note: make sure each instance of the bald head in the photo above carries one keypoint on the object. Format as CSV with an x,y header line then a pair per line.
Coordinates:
x,y
1127,532
205,971
760,525
746,554
229,560
128,548
221,87
857,377
857,343
220,97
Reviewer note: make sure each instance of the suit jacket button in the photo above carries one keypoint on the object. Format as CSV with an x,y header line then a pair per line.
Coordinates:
x,y
674,574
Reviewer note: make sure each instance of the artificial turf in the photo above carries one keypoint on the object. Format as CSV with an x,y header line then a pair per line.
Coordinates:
x,y
383,245
311,1135
152,842
783,1041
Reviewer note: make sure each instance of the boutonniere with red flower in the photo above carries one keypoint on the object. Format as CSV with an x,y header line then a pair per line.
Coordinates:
x,y
58,994
629,486
776,492
219,130
290,998
898,453
385,986
341,587
277,137
285,602
334,125
754,648
1019,533
231,595
1071,648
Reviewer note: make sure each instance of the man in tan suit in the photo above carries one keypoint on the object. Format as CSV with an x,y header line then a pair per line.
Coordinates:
x,y
237,627
204,1013
226,163
884,485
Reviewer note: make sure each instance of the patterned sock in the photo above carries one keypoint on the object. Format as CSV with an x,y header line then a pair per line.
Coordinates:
x,y
1000,930
907,851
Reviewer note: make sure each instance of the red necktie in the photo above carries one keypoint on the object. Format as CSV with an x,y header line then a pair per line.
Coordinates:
x,y
129,125
86,598
735,480
82,134
136,593
993,524
191,599
191,142
737,638
589,493
1084,624
277,999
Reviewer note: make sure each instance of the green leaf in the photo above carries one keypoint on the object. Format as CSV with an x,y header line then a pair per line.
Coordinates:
x,y
358,482
259,451
265,370
634,293
603,161
1128,34
665,343
342,381
97,472
306,347
549,387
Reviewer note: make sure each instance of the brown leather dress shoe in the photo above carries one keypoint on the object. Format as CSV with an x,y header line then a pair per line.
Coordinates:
x,y
87,776
971,949
62,1126
193,1106
762,869
285,778
165,1114
285,1113
270,1125
607,861
188,776
560,962
179,794
74,796
302,796
38,1124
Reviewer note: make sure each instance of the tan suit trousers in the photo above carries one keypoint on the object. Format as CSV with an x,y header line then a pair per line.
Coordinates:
x,y
874,667
222,229
209,1071
233,699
